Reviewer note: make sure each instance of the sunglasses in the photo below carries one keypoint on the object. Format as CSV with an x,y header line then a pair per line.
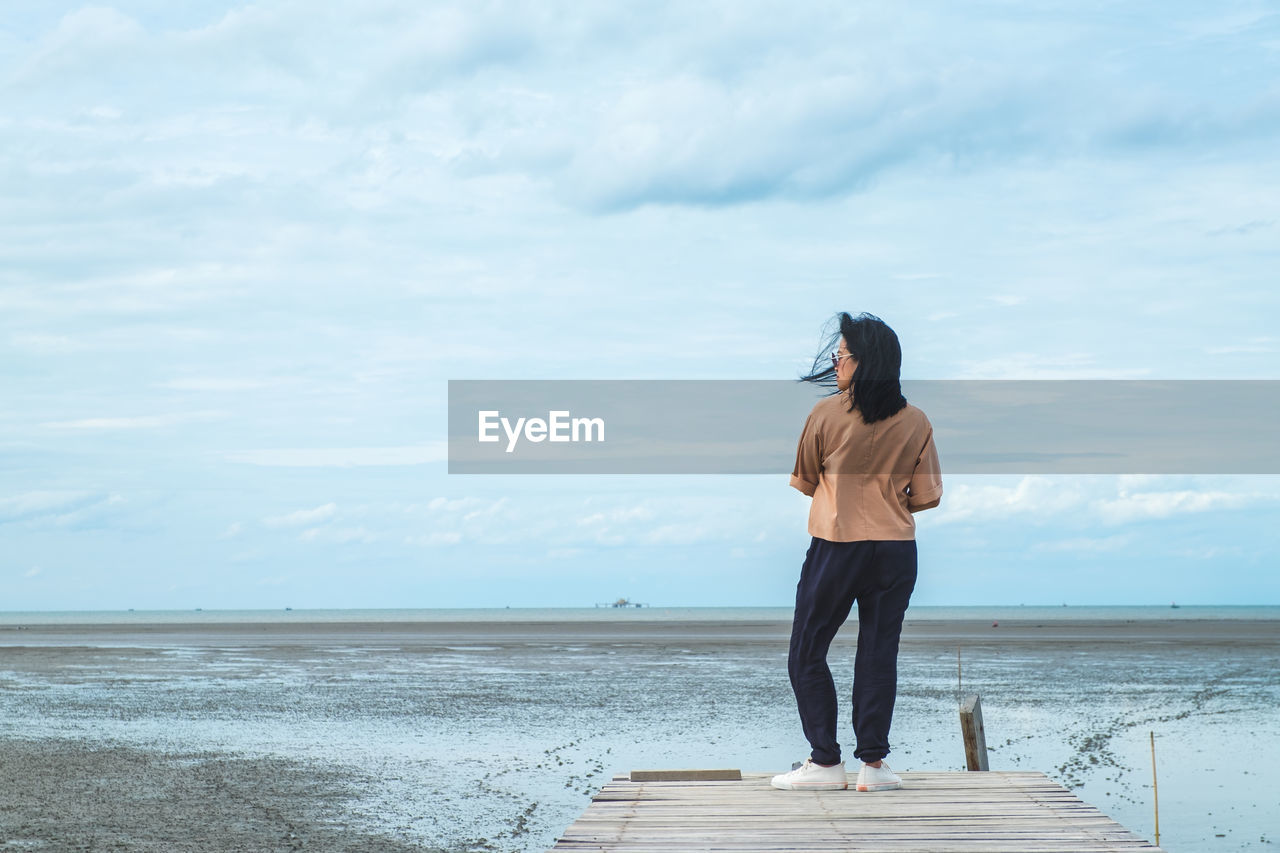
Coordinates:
x,y
835,359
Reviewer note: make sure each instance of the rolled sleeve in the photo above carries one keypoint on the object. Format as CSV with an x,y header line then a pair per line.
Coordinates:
x,y
925,489
808,458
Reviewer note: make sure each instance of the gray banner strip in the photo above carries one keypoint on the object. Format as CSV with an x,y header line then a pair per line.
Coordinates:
x,y
1069,426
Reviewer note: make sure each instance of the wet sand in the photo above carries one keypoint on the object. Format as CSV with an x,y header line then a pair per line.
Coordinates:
x,y
64,794
491,736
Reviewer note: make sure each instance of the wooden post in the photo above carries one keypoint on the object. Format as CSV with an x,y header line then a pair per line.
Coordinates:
x,y
1155,787
975,738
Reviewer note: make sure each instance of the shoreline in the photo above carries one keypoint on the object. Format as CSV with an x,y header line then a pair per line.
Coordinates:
x,y
920,633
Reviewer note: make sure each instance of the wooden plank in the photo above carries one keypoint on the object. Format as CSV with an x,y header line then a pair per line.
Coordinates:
x,y
686,776
954,812
975,737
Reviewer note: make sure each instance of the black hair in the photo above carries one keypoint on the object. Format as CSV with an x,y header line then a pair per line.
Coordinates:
x,y
877,386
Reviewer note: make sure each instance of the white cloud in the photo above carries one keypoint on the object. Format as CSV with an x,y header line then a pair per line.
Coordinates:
x,y
81,37
486,512
40,503
47,344
302,517
439,537
338,535
1032,365
618,514
1072,501
1255,344
564,525
1210,552
1033,497
214,384
138,422
1141,506
343,457
104,112
679,533
443,504
1088,544
1008,299
703,107
58,508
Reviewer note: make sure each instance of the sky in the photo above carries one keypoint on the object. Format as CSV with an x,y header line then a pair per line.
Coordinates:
x,y
246,247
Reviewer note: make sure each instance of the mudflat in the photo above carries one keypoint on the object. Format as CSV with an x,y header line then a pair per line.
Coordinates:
x,y
493,735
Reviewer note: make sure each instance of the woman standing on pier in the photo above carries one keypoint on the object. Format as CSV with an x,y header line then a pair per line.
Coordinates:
x,y
867,458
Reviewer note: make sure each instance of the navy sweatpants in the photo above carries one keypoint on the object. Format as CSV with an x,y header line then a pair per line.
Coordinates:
x,y
879,574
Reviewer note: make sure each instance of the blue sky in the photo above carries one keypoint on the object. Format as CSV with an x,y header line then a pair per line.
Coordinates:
x,y
245,247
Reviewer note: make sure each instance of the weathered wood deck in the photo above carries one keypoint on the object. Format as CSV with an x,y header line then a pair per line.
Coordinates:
x,y
932,813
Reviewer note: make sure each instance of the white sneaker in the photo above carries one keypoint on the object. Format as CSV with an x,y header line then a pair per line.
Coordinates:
x,y
813,777
878,778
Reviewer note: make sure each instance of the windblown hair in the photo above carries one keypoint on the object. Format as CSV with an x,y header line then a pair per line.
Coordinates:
x,y
877,386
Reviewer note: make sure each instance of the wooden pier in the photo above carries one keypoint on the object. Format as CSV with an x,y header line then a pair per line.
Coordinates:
x,y
932,813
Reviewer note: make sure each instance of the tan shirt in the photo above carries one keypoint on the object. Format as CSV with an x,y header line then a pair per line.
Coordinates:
x,y
866,480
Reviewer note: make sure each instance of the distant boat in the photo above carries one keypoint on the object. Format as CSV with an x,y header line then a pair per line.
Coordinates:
x,y
288,608
1173,604
621,602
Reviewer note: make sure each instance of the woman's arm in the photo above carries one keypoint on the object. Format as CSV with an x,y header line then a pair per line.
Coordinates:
x,y
808,458
925,489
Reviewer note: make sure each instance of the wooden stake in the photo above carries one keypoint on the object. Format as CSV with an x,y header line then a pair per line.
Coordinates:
x,y
1155,790
975,738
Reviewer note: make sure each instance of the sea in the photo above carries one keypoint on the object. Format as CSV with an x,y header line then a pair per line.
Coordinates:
x,y
610,612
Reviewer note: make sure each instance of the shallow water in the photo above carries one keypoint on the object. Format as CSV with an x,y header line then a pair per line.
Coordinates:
x,y
498,744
